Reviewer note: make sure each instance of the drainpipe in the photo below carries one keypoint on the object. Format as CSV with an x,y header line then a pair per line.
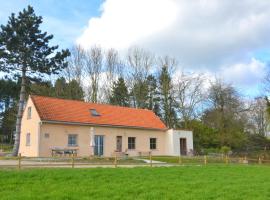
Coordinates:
x,y
38,138
92,142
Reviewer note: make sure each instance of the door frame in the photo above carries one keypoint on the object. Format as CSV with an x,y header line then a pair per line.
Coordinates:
x,y
97,146
184,147
119,137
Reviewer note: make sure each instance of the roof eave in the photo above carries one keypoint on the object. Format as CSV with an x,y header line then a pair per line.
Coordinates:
x,y
101,125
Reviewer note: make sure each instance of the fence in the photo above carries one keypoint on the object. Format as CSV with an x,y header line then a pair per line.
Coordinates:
x,y
116,161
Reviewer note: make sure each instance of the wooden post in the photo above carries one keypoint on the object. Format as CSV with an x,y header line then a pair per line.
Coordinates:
x,y
260,160
226,159
245,160
180,160
19,160
205,160
150,155
72,161
115,160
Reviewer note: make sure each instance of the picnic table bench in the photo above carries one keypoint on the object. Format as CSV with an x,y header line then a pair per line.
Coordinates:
x,y
64,151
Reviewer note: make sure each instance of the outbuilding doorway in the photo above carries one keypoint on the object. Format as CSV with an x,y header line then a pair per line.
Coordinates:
x,y
183,146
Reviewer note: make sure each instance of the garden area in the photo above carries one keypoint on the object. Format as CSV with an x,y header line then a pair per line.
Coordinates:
x,y
183,182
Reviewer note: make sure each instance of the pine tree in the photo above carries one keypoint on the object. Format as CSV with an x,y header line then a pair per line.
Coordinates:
x,y
166,98
25,53
153,99
119,94
74,90
139,94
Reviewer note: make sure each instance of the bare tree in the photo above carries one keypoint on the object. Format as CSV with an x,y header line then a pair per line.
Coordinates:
x,y
258,116
94,63
113,70
189,96
139,62
76,65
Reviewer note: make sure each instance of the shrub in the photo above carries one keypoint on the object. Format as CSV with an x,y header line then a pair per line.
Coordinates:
x,y
225,149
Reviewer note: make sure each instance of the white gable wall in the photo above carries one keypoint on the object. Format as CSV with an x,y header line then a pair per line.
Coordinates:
x,y
173,141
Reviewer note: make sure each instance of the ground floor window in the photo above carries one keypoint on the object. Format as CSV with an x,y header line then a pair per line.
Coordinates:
x,y
131,142
153,143
72,140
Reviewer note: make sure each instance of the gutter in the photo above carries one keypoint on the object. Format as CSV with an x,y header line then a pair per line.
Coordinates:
x,y
100,125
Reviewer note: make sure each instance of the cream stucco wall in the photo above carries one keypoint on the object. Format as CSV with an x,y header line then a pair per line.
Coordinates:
x,y
30,126
58,137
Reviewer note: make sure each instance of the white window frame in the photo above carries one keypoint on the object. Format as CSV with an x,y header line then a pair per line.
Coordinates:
x,y
76,140
151,143
132,143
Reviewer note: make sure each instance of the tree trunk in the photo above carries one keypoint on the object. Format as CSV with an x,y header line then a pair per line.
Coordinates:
x,y
19,115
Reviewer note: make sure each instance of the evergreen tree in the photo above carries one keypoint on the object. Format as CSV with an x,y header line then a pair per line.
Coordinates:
x,y
119,94
153,98
139,94
25,53
8,93
166,98
43,89
74,90
60,88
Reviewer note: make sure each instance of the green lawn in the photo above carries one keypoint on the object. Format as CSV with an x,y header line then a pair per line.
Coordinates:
x,y
192,182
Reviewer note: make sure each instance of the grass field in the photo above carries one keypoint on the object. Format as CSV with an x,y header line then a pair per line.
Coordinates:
x,y
193,182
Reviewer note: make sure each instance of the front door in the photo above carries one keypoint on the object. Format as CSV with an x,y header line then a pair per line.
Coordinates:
x,y
183,146
119,143
99,141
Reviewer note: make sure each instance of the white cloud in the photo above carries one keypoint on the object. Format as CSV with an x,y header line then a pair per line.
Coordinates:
x,y
219,37
123,22
200,33
245,74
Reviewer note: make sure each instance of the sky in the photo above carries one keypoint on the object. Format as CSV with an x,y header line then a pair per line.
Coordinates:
x,y
223,38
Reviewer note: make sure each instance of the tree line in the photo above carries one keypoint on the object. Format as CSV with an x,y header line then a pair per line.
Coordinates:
x,y
216,112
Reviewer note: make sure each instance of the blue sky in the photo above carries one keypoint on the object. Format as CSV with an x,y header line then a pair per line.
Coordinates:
x,y
65,19
229,39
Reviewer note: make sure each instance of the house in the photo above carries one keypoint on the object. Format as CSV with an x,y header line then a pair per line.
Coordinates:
x,y
51,125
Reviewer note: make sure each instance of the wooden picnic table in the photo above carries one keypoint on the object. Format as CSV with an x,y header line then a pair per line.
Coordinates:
x,y
64,151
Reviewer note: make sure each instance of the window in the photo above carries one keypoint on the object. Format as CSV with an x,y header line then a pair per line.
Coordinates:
x,y
72,140
29,113
131,142
46,135
153,143
94,113
27,139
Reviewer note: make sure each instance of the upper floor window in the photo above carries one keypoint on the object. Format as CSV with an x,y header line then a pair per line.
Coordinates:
x,y
27,143
72,140
153,143
131,142
29,112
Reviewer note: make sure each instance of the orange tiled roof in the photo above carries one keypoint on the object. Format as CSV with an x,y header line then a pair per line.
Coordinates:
x,y
62,110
